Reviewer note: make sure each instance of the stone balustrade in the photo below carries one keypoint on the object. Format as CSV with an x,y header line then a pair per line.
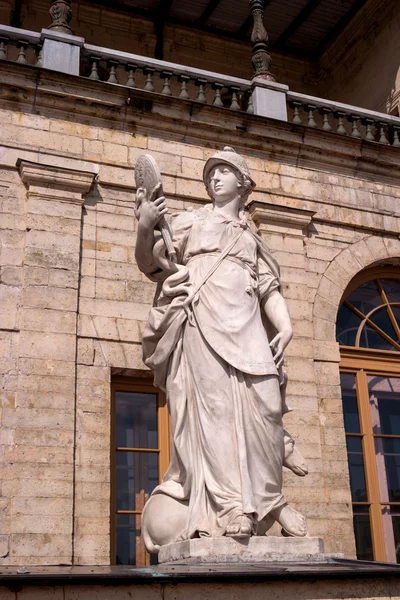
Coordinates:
x,y
20,45
69,54
343,119
168,79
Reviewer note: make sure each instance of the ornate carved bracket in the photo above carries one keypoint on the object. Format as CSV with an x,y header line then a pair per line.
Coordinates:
x,y
261,59
61,14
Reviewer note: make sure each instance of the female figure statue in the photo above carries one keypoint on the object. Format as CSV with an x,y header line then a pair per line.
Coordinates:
x,y
215,341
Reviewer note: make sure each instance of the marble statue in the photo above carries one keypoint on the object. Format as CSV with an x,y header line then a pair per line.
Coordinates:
x,y
215,341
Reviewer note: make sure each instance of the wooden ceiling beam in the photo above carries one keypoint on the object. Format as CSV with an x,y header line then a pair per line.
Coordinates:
x,y
210,8
15,17
339,27
159,24
244,28
296,23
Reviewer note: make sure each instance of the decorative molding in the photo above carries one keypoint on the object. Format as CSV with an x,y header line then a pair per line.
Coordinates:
x,y
293,220
56,183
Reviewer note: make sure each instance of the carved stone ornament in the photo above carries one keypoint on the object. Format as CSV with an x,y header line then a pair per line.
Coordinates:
x,y
261,58
61,14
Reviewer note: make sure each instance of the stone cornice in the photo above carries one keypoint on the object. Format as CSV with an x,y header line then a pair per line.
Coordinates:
x,y
294,221
53,182
189,121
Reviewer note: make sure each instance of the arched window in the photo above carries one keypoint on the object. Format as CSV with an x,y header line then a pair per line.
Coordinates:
x,y
368,331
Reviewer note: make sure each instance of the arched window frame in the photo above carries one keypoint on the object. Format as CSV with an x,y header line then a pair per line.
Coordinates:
x,y
365,362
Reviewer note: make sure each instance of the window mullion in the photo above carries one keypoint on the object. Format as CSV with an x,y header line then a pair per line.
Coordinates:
x,y
371,472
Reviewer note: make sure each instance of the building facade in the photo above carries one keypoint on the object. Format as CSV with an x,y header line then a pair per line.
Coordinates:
x,y
84,435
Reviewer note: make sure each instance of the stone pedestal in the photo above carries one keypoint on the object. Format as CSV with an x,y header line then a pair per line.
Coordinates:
x,y
269,98
61,51
253,550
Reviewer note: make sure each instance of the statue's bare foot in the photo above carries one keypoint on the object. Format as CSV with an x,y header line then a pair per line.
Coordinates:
x,y
292,522
240,527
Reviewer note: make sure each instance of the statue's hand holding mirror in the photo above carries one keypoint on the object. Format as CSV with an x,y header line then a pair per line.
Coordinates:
x,y
151,205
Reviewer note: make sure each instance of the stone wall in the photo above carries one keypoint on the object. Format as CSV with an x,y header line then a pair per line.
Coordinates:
x,y
74,303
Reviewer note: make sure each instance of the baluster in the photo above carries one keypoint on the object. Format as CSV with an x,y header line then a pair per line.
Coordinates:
x,y
382,135
149,87
250,106
201,96
340,126
113,64
235,104
324,111
311,120
355,132
39,60
184,79
22,53
3,49
131,76
217,99
166,91
369,135
396,141
94,74
296,114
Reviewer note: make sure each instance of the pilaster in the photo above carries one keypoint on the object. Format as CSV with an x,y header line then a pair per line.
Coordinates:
x,y
45,404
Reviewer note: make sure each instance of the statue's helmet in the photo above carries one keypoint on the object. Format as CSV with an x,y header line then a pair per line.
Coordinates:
x,y
229,157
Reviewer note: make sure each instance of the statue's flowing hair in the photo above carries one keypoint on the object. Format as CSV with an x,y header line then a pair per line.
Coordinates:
x,y
245,191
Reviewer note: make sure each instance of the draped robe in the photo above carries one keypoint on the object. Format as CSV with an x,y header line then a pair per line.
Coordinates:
x,y
220,378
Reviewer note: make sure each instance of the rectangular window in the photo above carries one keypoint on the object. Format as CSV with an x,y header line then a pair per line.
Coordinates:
x,y
139,459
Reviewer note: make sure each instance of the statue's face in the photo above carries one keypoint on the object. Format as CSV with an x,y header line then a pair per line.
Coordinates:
x,y
224,184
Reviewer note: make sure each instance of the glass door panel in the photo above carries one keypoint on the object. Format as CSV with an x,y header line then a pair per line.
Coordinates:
x,y
362,530
350,406
384,398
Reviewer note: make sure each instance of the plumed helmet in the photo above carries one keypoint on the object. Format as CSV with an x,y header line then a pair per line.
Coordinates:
x,y
232,158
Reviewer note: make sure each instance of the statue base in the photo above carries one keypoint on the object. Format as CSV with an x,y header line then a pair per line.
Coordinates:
x,y
257,549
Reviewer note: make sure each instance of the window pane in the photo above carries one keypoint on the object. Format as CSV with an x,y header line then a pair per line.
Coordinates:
x,y
136,420
347,325
388,463
127,539
356,469
371,339
349,397
354,444
381,318
396,312
357,478
396,534
362,532
136,478
384,397
392,289
366,297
